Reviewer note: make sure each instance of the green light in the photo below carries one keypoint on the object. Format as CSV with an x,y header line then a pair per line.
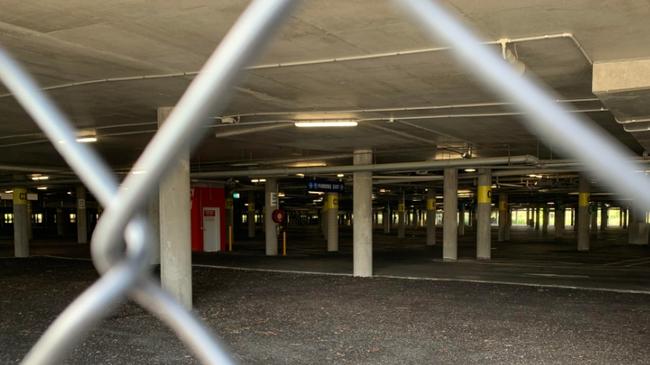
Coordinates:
x,y
235,195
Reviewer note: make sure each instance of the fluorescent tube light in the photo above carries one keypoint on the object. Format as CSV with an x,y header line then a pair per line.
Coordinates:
x,y
87,139
326,123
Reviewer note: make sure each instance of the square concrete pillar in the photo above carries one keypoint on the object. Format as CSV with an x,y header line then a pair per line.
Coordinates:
x,y
362,212
483,209
450,220
175,231
20,217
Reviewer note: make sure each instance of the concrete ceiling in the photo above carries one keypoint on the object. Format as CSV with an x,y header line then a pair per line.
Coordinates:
x,y
68,41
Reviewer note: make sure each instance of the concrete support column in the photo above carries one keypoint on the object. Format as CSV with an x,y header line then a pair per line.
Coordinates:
x,y
175,231
503,217
583,214
450,219
250,214
625,217
637,227
401,218
82,217
483,209
461,220
362,211
153,214
323,221
471,219
559,220
538,218
270,204
593,217
21,236
545,217
59,222
332,203
230,218
604,217
387,218
30,232
431,217
620,217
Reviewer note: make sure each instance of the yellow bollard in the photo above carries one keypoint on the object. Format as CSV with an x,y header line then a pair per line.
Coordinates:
x,y
284,243
230,238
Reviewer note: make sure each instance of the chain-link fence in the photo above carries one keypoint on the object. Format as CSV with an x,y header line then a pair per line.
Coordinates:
x,y
121,242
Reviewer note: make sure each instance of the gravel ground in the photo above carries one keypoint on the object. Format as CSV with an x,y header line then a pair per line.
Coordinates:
x,y
273,318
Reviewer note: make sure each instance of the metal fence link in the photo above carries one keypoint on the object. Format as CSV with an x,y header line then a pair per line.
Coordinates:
x,y
603,156
126,274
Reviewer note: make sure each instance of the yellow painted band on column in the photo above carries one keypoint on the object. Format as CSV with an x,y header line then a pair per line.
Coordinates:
x,y
484,194
251,207
401,207
332,201
583,199
20,196
228,203
503,205
431,204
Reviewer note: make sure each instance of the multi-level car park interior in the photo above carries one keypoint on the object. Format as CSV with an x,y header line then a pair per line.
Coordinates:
x,y
362,196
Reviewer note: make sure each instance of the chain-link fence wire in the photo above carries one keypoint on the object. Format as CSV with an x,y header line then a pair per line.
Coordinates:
x,y
124,272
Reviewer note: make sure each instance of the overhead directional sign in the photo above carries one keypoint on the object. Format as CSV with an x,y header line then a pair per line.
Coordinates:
x,y
325,185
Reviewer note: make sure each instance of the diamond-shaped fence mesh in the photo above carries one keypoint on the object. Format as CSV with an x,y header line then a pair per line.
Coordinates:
x,y
124,272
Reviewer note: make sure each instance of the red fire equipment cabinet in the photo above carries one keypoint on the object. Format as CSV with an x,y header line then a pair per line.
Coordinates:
x,y
208,219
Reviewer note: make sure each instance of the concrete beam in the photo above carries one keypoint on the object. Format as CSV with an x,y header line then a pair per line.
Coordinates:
x,y
620,76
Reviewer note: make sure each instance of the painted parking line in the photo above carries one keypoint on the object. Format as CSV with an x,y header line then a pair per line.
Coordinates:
x,y
626,261
567,276
638,263
440,279
401,277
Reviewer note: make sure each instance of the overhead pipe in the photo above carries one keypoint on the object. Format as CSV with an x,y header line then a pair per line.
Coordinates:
x,y
32,169
398,166
258,129
569,36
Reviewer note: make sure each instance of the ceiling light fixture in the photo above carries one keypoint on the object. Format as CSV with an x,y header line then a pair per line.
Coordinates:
x,y
470,170
87,136
39,177
308,164
41,188
340,175
86,139
326,123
